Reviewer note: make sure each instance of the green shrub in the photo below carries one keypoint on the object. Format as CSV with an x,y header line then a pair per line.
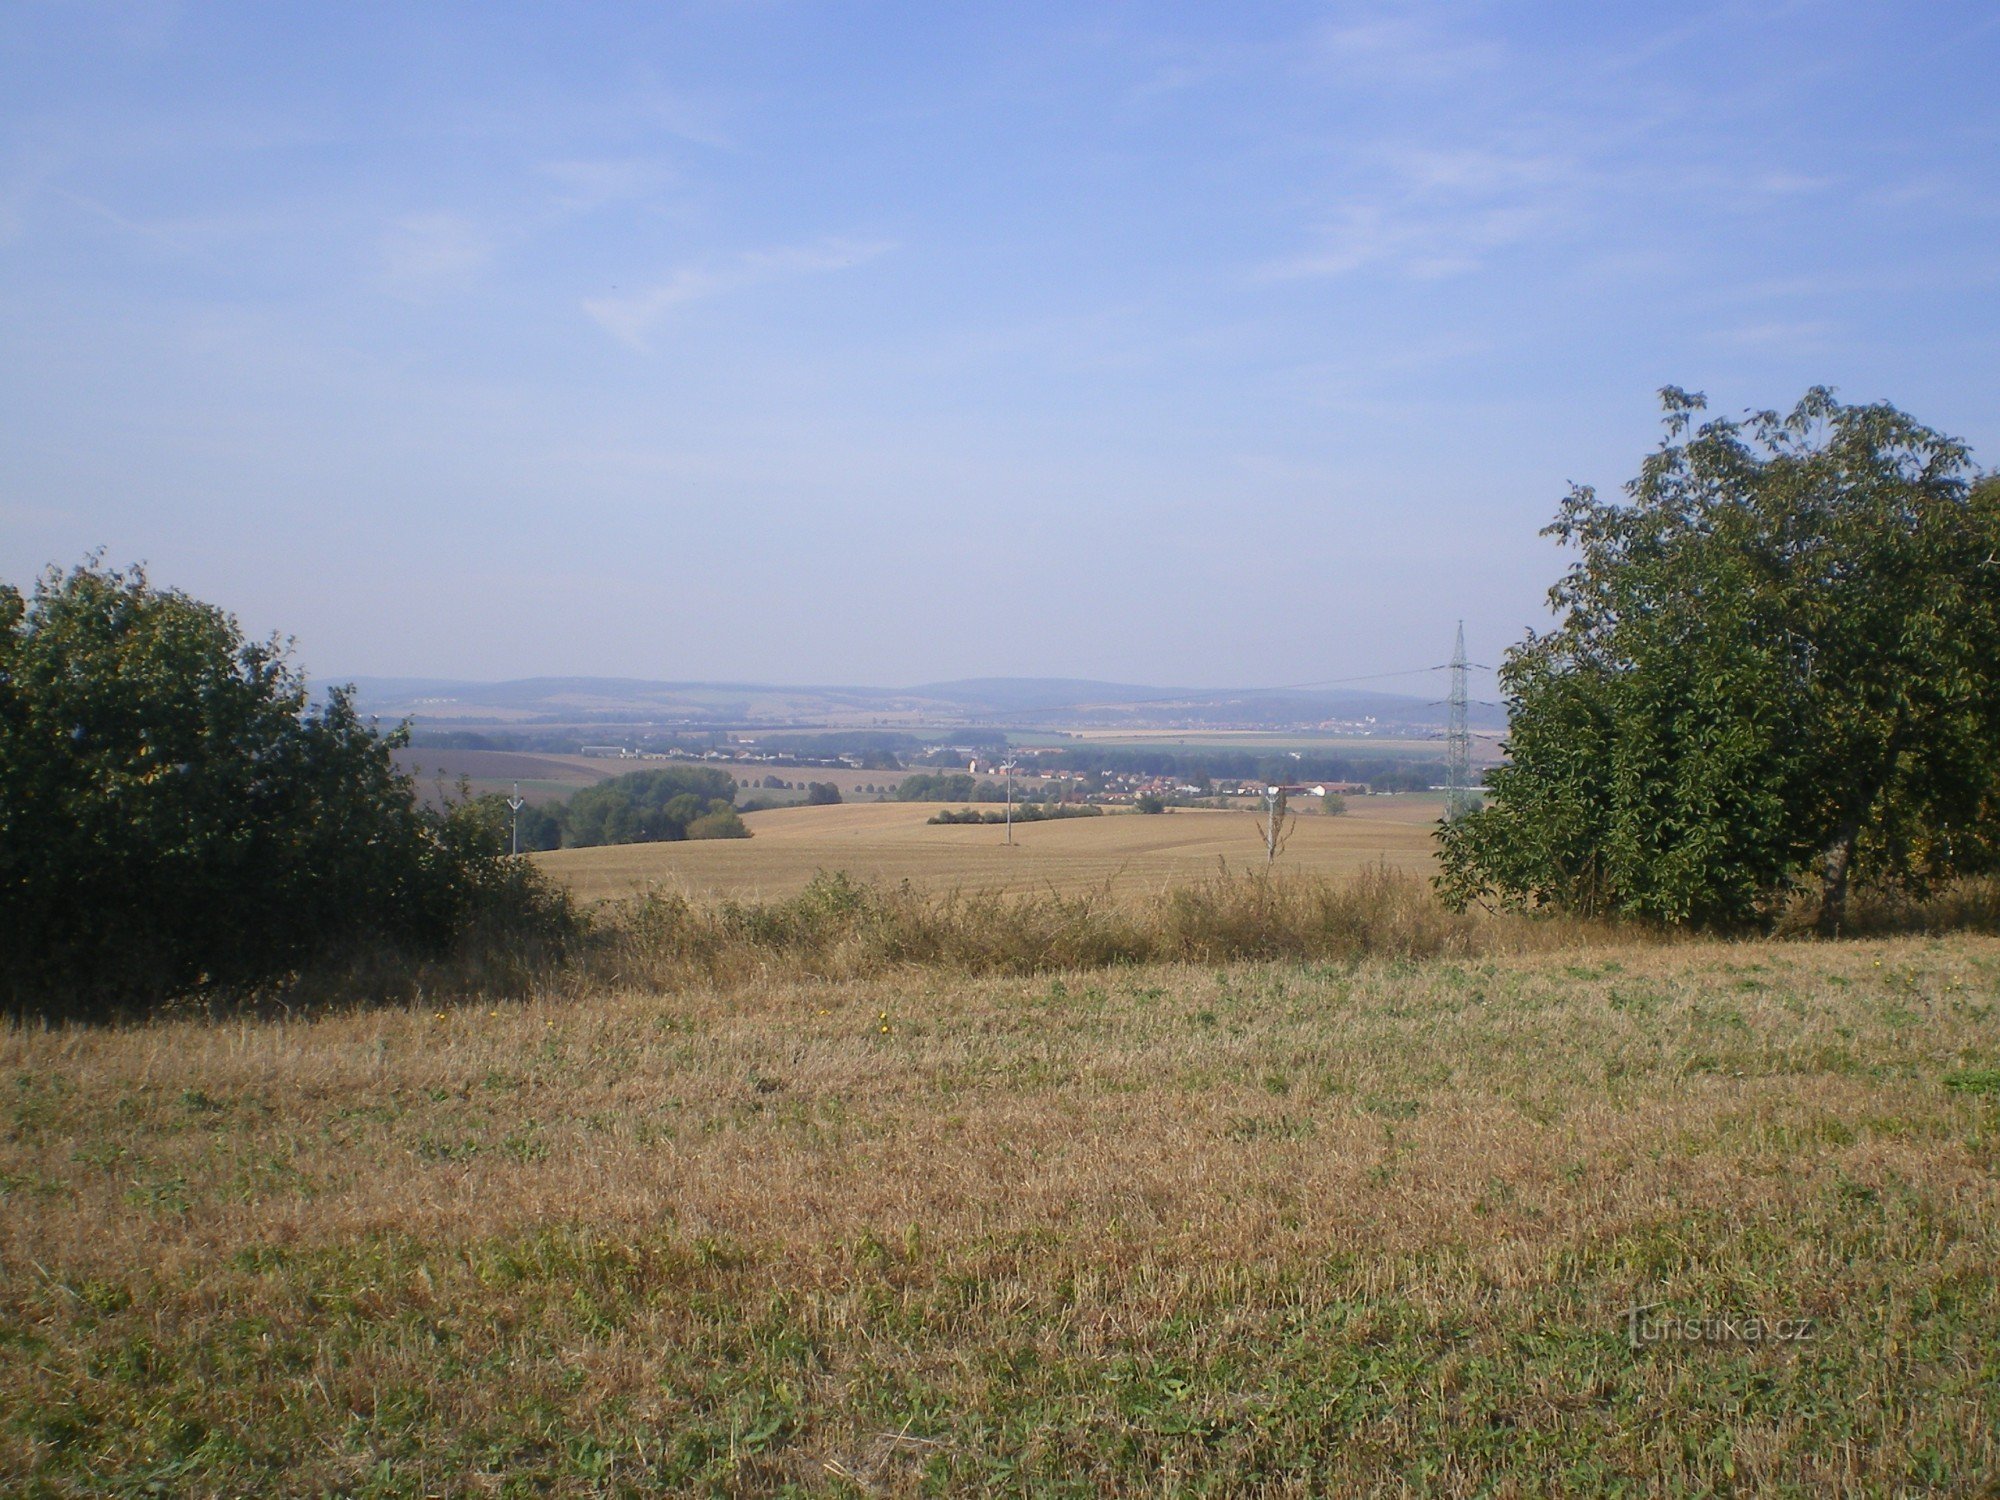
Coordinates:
x,y
1024,812
719,822
177,816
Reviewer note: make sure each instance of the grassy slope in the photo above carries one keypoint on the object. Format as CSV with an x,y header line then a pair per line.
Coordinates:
x,y
1280,1229
892,841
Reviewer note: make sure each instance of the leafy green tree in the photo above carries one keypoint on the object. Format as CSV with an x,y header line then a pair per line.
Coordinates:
x,y
176,814
822,794
1775,666
652,807
719,822
540,827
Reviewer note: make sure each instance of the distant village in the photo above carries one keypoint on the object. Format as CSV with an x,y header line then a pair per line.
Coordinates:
x,y
981,763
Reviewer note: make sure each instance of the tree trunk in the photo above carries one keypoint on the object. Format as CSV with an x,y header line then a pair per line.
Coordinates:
x,y
1840,854
1833,893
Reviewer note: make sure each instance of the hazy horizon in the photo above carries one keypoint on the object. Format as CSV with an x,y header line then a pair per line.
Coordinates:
x,y
1363,686
812,346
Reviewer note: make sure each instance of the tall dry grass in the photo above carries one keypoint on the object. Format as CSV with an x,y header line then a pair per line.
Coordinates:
x,y
841,928
1970,905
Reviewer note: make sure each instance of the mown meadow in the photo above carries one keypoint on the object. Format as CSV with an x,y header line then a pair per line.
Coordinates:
x,y
1288,1227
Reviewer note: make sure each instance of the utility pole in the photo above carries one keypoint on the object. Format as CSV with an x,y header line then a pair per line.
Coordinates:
x,y
514,805
1457,739
1009,769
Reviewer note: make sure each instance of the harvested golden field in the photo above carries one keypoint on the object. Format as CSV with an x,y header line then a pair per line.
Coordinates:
x,y
1284,1229
891,841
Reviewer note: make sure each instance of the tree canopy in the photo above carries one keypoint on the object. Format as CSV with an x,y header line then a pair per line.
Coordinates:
x,y
677,802
175,813
1777,665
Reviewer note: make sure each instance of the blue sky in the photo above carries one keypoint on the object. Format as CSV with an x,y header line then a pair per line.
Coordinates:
x,y
883,343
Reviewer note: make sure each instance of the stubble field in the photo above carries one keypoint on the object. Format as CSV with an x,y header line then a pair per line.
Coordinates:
x,y
892,841
1287,1229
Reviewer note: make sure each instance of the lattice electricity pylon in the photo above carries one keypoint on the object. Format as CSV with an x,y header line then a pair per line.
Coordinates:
x,y
1459,797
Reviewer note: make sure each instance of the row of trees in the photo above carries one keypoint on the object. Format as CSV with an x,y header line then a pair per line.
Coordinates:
x,y
954,786
1776,669
1024,812
818,793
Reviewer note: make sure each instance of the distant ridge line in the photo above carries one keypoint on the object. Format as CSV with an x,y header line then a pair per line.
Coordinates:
x,y
978,702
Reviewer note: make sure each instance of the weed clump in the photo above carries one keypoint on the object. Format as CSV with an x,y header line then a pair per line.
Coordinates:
x,y
839,928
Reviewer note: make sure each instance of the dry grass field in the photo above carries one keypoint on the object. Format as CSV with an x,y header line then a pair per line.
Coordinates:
x,y
891,841
1288,1229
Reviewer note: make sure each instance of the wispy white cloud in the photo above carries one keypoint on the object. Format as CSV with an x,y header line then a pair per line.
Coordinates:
x,y
1496,143
20,185
632,319
1794,337
1477,170
207,236
430,251
1943,195
1170,79
1440,213
1791,184
1463,169
585,184
1399,48
697,118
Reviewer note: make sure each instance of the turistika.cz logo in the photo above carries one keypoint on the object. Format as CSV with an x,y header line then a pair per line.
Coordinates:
x,y
1644,1326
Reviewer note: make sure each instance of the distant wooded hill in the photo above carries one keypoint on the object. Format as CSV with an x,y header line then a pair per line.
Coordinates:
x,y
989,702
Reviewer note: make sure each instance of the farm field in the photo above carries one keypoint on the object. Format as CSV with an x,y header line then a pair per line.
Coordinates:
x,y
1485,743
546,778
1273,1229
543,778
892,841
